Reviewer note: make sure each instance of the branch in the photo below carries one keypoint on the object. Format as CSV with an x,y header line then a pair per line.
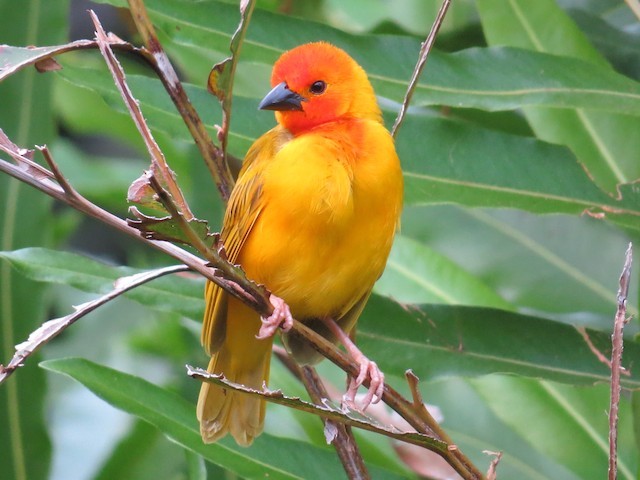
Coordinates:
x,y
420,419
336,433
616,362
214,157
424,54
220,81
324,410
493,466
173,200
158,163
42,179
53,328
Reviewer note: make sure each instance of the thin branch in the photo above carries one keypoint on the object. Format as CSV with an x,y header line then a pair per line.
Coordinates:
x,y
427,45
62,181
253,296
220,81
325,410
214,157
616,361
52,328
418,403
336,433
599,355
420,419
492,473
587,339
179,210
158,162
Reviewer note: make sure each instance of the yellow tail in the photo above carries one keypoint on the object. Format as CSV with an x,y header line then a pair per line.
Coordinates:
x,y
242,359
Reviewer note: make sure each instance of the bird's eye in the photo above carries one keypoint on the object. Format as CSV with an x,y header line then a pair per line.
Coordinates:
x,y
318,87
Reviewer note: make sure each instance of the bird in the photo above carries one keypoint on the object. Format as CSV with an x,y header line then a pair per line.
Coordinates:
x,y
312,217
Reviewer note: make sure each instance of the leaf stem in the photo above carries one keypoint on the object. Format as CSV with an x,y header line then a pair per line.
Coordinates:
x,y
222,74
427,45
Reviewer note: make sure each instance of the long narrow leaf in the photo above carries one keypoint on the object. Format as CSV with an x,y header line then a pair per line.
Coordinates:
x,y
277,458
439,340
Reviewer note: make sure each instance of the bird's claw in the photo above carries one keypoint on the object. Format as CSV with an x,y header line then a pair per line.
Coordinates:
x,y
281,317
368,369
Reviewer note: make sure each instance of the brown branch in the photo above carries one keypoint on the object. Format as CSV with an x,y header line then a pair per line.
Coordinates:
x,y
324,410
587,339
427,45
158,162
338,434
214,157
52,328
179,210
43,180
616,362
419,419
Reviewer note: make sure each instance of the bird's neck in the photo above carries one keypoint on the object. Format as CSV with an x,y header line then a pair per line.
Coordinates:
x,y
300,125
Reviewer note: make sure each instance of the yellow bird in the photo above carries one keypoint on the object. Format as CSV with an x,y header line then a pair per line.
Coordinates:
x,y
312,217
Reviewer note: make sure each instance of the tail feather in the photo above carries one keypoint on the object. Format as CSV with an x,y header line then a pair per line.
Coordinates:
x,y
241,359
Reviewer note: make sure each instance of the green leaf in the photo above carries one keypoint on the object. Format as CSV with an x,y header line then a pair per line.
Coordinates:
x,y
13,59
570,425
417,274
475,427
607,144
459,163
177,293
439,340
278,458
25,219
494,79
142,454
571,265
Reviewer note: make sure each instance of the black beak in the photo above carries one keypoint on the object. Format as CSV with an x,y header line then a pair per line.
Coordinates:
x,y
281,98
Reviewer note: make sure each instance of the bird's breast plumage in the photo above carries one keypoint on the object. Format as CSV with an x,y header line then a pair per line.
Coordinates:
x,y
329,206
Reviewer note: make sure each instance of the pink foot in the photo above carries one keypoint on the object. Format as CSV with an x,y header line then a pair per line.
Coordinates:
x,y
368,369
281,317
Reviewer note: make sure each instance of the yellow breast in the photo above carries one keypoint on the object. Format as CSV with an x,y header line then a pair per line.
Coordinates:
x,y
330,201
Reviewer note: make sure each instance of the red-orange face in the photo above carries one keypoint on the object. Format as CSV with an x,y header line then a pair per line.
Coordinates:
x,y
314,84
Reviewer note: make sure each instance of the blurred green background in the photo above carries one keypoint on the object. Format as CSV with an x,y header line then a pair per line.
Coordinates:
x,y
503,150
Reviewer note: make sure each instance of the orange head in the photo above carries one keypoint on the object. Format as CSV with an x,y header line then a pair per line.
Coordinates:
x,y
318,83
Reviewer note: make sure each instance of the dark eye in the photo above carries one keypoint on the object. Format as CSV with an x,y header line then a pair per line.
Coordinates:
x,y
318,87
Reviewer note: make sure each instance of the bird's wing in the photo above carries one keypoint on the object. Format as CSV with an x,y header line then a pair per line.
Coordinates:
x,y
242,212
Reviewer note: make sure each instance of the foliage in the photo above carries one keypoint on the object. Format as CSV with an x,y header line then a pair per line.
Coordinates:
x,y
520,155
